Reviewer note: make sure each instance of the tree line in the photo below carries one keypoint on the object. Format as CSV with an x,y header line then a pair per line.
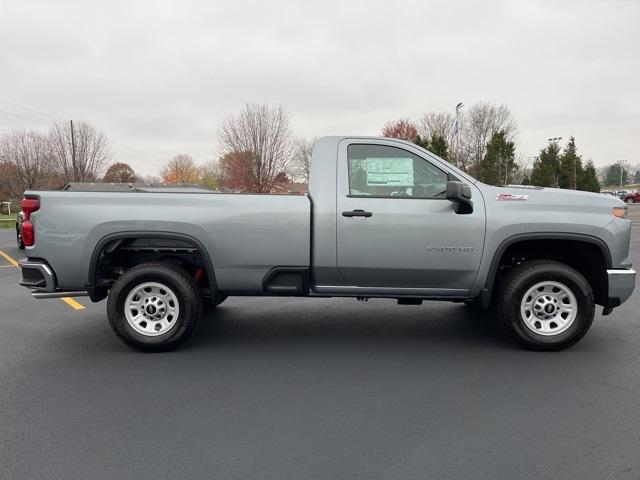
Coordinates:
x,y
258,152
483,141
33,160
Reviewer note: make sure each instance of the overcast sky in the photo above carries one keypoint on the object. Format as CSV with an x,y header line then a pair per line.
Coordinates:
x,y
158,77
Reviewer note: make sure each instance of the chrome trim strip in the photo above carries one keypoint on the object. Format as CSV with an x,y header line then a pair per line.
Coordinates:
x,y
625,271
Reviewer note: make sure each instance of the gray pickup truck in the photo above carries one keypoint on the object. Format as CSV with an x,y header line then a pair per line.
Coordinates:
x,y
383,218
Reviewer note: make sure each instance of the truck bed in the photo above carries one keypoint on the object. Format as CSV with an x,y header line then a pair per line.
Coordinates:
x,y
245,235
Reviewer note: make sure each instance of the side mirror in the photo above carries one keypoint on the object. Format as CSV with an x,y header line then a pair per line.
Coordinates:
x,y
460,194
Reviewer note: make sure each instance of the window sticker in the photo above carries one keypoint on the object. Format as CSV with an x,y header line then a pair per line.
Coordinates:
x,y
395,172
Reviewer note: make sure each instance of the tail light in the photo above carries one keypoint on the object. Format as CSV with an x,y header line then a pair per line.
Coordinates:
x,y
29,205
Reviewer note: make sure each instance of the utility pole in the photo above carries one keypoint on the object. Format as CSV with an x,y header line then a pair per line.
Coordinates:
x,y
73,150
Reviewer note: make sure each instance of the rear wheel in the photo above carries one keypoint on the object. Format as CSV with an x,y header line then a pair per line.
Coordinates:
x,y
631,200
154,306
545,305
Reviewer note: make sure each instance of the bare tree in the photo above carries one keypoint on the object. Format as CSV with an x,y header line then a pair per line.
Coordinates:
x,y
26,161
83,154
212,175
258,143
149,179
180,169
436,124
522,168
478,126
301,160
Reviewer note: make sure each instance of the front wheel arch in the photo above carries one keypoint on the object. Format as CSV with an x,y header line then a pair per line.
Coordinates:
x,y
585,253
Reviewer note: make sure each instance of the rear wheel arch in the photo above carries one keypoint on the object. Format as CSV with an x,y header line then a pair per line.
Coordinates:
x,y
97,292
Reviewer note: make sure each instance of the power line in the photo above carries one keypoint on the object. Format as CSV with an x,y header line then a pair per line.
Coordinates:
x,y
24,117
31,110
136,157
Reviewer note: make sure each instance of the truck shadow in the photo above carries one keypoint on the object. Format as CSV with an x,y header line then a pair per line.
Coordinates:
x,y
347,321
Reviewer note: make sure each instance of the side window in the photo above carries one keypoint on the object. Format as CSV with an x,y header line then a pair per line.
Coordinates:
x,y
383,171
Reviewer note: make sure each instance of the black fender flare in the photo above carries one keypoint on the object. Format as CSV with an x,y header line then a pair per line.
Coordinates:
x,y
507,242
97,292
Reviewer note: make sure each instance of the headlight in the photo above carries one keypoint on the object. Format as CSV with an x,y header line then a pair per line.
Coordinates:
x,y
620,212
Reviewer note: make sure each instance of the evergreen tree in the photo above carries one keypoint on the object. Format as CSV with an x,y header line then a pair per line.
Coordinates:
x,y
422,142
499,164
589,181
437,145
613,175
546,168
570,172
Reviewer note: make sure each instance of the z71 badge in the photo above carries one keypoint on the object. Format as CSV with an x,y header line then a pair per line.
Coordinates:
x,y
509,196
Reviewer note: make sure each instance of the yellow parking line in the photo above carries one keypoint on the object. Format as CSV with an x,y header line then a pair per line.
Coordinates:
x,y
68,300
73,303
12,261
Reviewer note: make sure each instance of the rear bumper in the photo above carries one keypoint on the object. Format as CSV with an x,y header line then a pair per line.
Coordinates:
x,y
38,275
621,285
40,278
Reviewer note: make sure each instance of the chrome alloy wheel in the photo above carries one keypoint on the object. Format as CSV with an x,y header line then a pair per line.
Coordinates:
x,y
151,309
549,308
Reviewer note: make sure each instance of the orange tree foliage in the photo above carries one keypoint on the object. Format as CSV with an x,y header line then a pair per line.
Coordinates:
x,y
181,169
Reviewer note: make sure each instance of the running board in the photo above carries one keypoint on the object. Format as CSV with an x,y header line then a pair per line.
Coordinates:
x,y
45,295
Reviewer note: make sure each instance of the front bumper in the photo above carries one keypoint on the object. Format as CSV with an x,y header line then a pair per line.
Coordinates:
x,y
621,285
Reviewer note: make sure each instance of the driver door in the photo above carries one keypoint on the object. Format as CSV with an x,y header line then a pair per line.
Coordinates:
x,y
395,228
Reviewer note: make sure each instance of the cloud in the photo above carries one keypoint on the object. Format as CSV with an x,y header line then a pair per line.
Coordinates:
x,y
159,77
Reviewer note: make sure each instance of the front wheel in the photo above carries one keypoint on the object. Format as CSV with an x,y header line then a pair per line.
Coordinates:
x,y
545,305
631,200
154,307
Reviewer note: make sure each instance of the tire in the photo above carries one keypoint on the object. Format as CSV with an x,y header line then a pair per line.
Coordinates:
x,y
172,306
19,240
631,200
534,301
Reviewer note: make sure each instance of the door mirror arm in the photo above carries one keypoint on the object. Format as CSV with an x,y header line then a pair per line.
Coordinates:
x,y
460,194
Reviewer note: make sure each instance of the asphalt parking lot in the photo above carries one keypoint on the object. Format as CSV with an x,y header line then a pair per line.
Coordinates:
x,y
313,388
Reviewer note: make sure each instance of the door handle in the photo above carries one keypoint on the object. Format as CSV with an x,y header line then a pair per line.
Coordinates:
x,y
356,213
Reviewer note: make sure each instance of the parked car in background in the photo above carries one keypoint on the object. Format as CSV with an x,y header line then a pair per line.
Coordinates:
x,y
19,239
621,194
633,197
